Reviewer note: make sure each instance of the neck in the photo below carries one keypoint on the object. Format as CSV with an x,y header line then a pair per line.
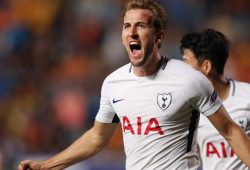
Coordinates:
x,y
151,66
221,86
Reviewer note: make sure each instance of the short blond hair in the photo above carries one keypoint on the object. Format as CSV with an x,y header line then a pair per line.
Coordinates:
x,y
159,13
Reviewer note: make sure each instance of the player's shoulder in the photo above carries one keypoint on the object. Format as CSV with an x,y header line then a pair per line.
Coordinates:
x,y
179,67
241,84
240,88
182,70
119,73
193,81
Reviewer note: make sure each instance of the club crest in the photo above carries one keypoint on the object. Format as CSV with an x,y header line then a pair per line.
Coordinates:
x,y
164,100
241,121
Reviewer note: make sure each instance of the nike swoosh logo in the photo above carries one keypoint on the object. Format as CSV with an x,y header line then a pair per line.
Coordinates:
x,y
115,101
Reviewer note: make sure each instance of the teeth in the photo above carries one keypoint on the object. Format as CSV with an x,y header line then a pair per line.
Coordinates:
x,y
133,43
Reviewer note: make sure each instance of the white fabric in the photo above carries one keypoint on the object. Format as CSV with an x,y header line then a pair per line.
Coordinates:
x,y
156,113
216,153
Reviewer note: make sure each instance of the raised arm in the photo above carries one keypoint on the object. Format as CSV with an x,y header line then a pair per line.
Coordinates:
x,y
233,133
84,147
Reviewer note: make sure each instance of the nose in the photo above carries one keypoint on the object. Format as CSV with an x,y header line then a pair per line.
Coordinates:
x,y
134,33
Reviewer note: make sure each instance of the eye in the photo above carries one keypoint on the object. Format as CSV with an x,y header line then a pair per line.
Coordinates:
x,y
142,26
125,26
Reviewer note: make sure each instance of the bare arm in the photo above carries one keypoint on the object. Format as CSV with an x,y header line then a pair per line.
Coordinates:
x,y
86,146
233,133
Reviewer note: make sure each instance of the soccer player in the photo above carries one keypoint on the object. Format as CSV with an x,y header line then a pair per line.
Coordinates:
x,y
156,99
207,51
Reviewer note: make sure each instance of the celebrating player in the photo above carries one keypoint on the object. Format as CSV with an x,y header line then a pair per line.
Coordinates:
x,y
156,99
208,52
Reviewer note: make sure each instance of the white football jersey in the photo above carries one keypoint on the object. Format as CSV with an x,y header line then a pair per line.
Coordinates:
x,y
215,152
159,114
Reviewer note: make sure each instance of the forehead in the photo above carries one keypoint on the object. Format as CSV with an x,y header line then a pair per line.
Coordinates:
x,y
135,15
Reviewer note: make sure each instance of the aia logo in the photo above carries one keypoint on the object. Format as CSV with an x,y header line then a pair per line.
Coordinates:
x,y
241,121
220,150
164,100
142,127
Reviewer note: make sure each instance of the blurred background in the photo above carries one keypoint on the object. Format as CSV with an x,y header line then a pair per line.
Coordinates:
x,y
54,55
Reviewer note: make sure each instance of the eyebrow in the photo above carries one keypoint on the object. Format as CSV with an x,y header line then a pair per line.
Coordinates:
x,y
137,23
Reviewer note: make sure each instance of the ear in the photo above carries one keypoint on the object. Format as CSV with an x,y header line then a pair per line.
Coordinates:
x,y
159,36
206,67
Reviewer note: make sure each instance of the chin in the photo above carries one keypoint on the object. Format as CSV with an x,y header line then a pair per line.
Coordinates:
x,y
137,62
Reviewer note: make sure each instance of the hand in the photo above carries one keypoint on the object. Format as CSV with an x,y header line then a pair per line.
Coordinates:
x,y
30,165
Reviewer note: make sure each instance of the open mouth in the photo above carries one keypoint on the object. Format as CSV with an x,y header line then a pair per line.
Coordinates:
x,y
135,48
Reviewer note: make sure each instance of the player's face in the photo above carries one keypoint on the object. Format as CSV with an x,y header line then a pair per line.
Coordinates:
x,y
138,36
189,58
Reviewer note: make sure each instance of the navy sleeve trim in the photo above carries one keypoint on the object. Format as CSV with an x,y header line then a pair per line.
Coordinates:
x,y
192,127
116,119
165,62
234,88
130,68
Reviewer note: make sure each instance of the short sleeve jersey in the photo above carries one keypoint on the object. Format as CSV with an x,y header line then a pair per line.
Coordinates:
x,y
215,151
159,114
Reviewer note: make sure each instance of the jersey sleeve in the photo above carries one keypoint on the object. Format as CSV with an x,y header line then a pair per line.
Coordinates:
x,y
106,113
201,95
